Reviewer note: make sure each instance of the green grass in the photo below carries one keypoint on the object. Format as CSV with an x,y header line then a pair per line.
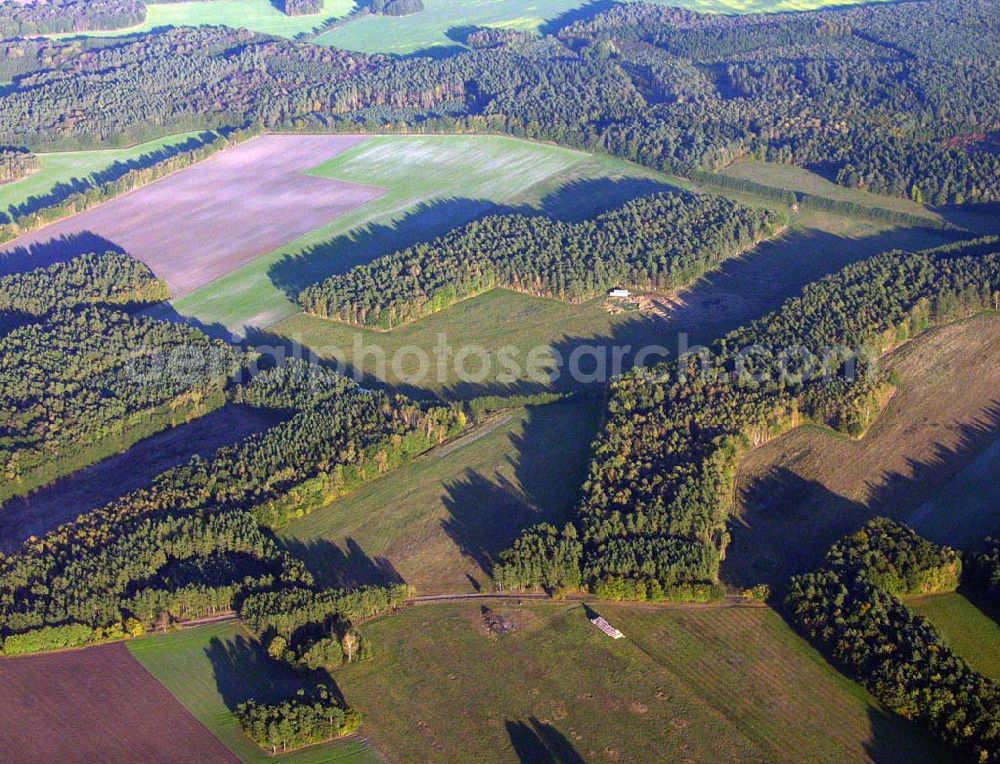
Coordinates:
x,y
433,183
430,28
802,180
439,521
258,15
689,685
212,668
970,632
967,508
65,166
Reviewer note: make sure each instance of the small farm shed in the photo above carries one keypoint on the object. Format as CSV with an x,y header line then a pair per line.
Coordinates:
x,y
618,293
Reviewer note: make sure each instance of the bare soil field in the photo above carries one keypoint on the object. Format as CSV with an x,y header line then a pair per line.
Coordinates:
x,y
97,704
799,493
100,483
207,220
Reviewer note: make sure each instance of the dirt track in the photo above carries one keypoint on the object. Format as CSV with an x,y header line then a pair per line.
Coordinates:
x,y
95,705
204,221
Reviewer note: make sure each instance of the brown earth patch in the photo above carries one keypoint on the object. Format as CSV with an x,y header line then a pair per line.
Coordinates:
x,y
97,704
796,495
204,221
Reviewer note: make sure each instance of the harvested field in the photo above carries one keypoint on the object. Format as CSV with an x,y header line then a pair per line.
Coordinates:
x,y
204,221
100,483
799,493
92,705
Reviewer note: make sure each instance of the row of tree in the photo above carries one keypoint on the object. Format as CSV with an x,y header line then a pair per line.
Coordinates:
x,y
657,498
75,379
657,242
310,628
847,611
49,16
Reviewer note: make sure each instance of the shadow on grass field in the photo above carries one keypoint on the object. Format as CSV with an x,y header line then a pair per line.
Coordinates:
x,y
972,632
212,669
438,523
801,492
742,289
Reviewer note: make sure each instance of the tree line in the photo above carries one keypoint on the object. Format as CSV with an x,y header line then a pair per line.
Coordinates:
x,y
657,242
669,88
50,16
849,608
78,371
657,498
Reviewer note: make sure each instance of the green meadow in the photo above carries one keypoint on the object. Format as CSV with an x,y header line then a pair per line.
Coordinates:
x,y
706,685
972,633
258,15
211,669
438,522
65,167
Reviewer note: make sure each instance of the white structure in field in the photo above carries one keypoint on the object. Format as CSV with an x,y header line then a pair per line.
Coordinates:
x,y
618,293
606,627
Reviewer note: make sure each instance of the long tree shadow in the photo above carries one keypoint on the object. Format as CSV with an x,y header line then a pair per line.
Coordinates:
x,y
115,476
17,259
336,567
243,671
549,464
789,520
120,167
537,742
338,255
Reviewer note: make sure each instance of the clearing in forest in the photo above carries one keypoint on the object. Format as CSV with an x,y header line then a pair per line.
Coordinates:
x,y
202,222
438,522
804,490
437,28
721,684
97,704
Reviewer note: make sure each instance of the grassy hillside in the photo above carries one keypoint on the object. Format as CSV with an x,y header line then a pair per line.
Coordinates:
x,y
972,633
64,167
212,669
434,183
692,685
437,523
258,15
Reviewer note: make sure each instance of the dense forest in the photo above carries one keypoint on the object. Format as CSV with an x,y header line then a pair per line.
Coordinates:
x,y
656,502
893,98
77,372
983,572
657,242
15,164
847,611
32,17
